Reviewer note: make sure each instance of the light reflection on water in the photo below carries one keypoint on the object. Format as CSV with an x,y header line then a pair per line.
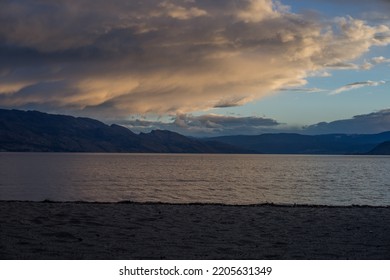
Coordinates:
x,y
183,178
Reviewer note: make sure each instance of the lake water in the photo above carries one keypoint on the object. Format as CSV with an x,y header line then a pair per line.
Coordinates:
x,y
184,178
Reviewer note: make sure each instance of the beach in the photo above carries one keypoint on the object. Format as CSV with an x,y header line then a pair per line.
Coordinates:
x,y
79,230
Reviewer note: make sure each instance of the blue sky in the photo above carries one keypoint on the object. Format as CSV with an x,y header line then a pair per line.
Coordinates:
x,y
201,68
300,107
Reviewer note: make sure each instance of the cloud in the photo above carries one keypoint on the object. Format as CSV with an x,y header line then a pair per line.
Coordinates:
x,y
362,124
368,64
357,85
117,58
380,60
205,125
303,89
259,10
216,125
180,12
343,66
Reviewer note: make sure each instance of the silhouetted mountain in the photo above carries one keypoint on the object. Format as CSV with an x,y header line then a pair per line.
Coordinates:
x,y
381,149
171,142
286,143
33,131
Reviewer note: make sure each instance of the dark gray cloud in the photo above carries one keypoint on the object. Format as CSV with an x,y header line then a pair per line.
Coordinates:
x,y
369,123
206,125
117,58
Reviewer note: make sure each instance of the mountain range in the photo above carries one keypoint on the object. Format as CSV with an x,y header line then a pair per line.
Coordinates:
x,y
33,131
290,143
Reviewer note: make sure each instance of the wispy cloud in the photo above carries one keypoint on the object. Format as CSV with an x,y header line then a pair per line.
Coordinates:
x,y
366,65
343,66
303,89
357,85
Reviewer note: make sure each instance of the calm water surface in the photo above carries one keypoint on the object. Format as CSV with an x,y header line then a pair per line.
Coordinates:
x,y
228,179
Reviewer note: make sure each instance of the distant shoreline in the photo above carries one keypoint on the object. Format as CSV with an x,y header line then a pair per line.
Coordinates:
x,y
186,153
132,230
266,204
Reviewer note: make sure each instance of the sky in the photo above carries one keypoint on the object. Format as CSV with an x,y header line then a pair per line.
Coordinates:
x,y
201,68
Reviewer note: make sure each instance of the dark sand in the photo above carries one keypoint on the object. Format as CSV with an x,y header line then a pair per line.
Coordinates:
x,y
36,230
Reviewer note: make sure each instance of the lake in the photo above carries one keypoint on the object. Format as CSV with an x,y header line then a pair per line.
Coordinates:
x,y
193,178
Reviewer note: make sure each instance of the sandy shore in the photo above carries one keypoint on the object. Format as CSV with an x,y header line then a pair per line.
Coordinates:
x,y
36,230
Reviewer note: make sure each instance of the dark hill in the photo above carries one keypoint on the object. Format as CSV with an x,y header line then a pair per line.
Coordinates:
x,y
171,142
286,143
381,149
41,132
32,131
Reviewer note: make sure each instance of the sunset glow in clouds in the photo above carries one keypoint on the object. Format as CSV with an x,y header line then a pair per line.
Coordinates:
x,y
114,60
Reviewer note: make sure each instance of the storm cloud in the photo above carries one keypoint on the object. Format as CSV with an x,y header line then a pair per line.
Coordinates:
x,y
117,58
